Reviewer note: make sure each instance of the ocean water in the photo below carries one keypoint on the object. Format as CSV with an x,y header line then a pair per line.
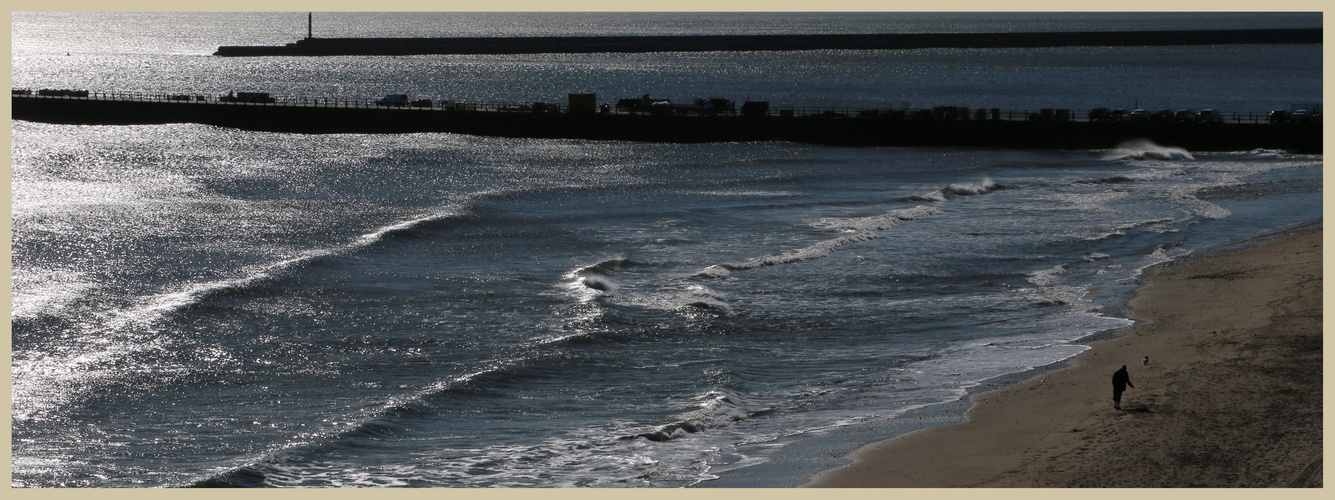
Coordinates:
x,y
199,305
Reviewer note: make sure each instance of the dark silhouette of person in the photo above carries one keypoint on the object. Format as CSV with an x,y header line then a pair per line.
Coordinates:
x,y
1121,380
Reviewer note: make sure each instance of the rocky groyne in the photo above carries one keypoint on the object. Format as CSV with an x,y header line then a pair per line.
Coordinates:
x,y
313,46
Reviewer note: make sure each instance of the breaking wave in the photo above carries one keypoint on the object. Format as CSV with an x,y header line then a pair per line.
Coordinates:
x,y
717,410
1143,149
973,189
966,189
863,228
597,277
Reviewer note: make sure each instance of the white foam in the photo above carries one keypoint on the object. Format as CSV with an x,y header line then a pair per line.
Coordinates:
x,y
597,283
934,196
877,222
702,297
863,229
1143,149
590,282
1091,257
1121,229
1048,276
973,189
714,271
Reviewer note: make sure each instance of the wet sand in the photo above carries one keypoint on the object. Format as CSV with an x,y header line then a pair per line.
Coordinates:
x,y
1231,396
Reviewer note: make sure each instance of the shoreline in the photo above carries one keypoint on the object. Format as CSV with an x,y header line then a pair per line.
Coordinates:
x,y
1221,403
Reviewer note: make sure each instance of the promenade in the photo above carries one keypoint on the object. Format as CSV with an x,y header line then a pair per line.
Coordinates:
x,y
938,126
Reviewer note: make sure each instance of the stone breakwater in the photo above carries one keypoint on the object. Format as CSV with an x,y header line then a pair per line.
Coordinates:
x,y
836,130
313,46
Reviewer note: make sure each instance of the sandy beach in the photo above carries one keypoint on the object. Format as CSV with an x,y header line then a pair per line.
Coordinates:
x,y
1230,397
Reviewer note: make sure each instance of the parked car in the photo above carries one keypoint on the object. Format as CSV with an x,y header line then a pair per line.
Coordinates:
x,y
755,108
1210,115
393,100
1299,116
1099,114
1186,115
62,93
250,97
1117,115
1162,115
1279,115
1138,115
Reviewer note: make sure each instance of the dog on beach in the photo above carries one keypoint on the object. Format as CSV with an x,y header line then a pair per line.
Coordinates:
x,y
1146,360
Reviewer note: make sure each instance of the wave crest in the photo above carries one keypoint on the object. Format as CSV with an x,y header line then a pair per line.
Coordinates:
x,y
1144,149
973,189
862,228
598,277
965,189
717,410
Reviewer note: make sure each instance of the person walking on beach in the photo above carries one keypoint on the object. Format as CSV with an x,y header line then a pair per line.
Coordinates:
x,y
1121,380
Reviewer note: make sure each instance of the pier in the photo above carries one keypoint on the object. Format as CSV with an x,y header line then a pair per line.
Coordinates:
x,y
941,126
312,46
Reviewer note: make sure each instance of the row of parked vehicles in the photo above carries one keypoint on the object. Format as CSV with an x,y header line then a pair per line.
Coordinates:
x,y
53,92
1161,115
403,100
1187,115
1297,115
717,105
587,103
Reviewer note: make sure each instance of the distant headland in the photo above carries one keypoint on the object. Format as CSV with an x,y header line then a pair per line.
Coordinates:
x,y
312,46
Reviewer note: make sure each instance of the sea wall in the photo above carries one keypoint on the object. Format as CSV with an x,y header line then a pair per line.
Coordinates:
x,y
838,131
705,43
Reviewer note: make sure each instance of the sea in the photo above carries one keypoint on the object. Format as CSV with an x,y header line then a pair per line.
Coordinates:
x,y
200,306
